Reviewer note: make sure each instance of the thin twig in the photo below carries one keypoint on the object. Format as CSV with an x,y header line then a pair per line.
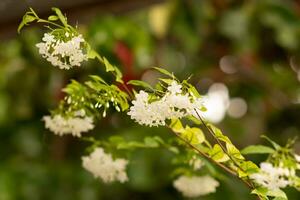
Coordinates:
x,y
210,159
249,183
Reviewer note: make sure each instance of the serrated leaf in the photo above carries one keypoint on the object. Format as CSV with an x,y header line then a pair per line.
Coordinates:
x,y
141,84
257,149
164,71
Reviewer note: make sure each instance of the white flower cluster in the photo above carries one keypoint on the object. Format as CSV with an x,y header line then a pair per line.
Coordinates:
x,y
272,177
103,166
174,104
195,186
64,54
63,126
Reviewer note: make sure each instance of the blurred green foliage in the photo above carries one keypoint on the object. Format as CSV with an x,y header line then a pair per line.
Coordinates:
x,y
257,40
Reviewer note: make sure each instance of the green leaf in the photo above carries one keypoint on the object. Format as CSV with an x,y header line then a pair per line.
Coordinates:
x,y
109,67
176,125
118,75
61,17
53,18
260,191
27,18
166,80
173,149
275,145
218,133
97,78
165,72
151,142
257,149
141,84
92,54
116,139
248,168
278,194
130,145
217,154
193,135
234,152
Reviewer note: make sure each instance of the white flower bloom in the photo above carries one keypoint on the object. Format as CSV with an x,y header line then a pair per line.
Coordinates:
x,y
174,88
64,126
173,104
271,177
196,185
64,54
102,165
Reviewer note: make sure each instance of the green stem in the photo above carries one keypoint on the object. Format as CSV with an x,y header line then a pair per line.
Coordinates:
x,y
225,168
249,182
48,22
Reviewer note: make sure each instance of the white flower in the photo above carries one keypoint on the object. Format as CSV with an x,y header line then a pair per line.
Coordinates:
x,y
174,88
271,177
64,54
102,165
64,126
173,104
196,185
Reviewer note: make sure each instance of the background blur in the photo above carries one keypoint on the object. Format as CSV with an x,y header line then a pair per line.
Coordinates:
x,y
246,51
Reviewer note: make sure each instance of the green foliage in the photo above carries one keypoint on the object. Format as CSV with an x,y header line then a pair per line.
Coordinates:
x,y
29,16
92,54
60,16
257,149
247,168
142,84
265,194
121,143
193,135
165,72
217,154
93,96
